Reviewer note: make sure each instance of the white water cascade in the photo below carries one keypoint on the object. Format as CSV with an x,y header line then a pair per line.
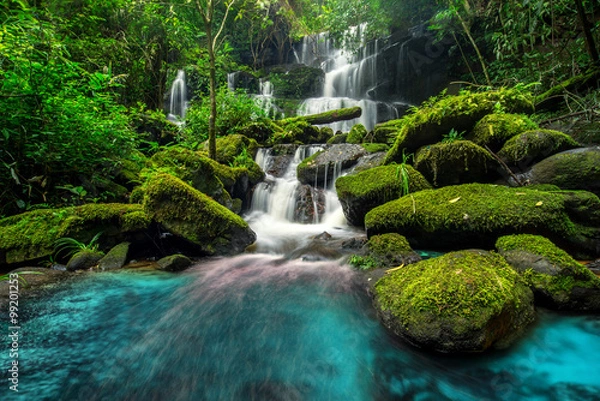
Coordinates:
x,y
349,80
275,204
178,101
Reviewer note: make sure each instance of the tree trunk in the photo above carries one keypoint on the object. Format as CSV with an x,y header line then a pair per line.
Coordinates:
x,y
212,127
589,38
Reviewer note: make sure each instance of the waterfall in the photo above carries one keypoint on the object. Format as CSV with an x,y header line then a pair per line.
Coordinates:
x,y
265,100
178,98
350,80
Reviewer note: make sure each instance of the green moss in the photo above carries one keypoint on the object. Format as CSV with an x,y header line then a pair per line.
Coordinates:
x,y
495,129
569,85
477,214
191,214
537,245
460,292
428,124
137,195
375,147
454,162
337,139
357,134
533,146
31,235
230,146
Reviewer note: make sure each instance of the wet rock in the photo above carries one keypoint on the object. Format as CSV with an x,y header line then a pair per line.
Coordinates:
x,y
370,161
310,204
84,259
557,280
531,147
494,130
174,263
323,166
115,258
572,169
465,301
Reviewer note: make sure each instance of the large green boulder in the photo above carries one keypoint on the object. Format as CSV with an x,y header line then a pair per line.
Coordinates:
x,y
494,130
230,147
361,192
385,251
572,169
193,216
530,147
357,133
558,281
429,123
465,301
457,162
32,235
476,215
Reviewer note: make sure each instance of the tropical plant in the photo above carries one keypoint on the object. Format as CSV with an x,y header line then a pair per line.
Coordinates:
x,y
402,173
453,135
70,246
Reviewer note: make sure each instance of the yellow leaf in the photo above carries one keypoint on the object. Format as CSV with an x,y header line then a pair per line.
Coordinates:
x,y
520,193
540,203
454,200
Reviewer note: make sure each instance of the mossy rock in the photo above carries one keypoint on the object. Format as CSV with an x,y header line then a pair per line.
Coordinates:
x,y
174,263
323,165
465,301
32,235
572,169
558,281
154,127
337,139
387,132
115,258
390,250
476,215
494,130
84,259
294,131
193,216
429,123
357,133
361,192
456,162
533,146
230,146
260,131
375,147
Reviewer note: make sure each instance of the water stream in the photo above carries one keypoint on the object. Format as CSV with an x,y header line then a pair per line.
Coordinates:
x,y
271,326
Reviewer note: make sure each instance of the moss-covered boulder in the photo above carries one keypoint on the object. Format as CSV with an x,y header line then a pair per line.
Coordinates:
x,y
476,215
260,130
357,134
193,216
231,146
385,251
361,192
530,147
32,235
494,130
323,166
337,139
573,169
174,263
557,280
84,259
456,162
429,123
115,258
465,301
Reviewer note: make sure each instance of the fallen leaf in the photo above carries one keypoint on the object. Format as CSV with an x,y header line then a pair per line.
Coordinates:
x,y
454,200
540,203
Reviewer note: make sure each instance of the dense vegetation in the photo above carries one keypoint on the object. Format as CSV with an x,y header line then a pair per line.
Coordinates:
x,y
82,79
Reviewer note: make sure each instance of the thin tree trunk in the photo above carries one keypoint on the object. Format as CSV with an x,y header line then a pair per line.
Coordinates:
x,y
472,40
212,128
589,38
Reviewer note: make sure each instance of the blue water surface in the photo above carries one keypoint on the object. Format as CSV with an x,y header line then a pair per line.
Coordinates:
x,y
258,327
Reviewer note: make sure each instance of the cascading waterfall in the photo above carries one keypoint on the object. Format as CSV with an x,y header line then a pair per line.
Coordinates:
x,y
178,101
349,80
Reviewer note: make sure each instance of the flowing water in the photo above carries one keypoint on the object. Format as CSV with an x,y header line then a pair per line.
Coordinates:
x,y
271,326
178,99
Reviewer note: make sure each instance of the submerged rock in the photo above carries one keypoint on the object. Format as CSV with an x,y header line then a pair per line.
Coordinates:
x,y
476,215
557,280
464,301
359,193
573,169
457,162
193,216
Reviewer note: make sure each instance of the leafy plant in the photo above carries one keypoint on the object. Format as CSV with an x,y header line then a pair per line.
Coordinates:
x,y
453,135
402,173
362,262
244,159
8,276
72,246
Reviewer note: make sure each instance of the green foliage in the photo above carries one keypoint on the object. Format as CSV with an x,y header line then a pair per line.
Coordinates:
x,y
452,136
363,263
235,110
70,246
